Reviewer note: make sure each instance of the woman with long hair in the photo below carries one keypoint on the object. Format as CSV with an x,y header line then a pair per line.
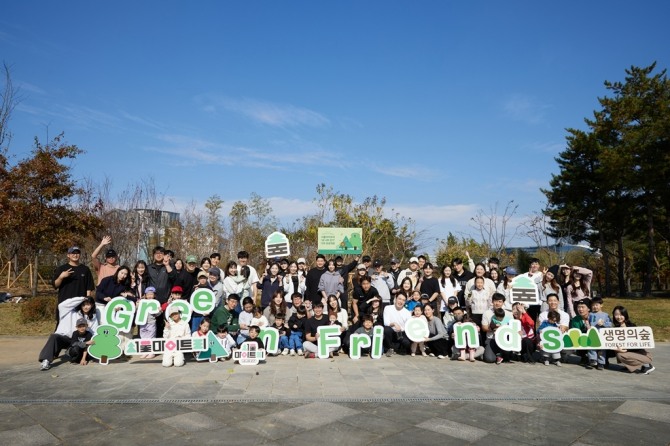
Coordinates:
x,y
579,287
635,360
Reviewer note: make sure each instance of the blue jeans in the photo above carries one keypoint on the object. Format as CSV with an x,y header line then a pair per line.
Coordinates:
x,y
283,342
597,356
295,341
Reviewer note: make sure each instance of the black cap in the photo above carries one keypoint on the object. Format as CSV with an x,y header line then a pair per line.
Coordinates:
x,y
377,263
110,253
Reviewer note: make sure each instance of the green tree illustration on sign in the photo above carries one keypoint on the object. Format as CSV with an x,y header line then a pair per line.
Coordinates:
x,y
214,349
106,344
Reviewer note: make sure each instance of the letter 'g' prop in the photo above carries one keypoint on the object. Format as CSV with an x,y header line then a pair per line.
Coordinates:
x,y
122,320
358,341
465,335
328,336
417,329
508,337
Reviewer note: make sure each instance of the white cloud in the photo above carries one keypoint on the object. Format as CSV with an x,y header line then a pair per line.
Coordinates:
x,y
413,172
185,150
525,109
546,147
269,113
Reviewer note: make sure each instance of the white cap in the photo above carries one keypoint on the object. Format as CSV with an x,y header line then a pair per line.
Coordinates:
x,y
414,260
301,260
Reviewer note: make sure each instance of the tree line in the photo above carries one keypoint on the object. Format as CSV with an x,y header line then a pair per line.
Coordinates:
x,y
612,189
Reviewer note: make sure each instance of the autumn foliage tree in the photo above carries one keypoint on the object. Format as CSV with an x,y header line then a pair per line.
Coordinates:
x,y
43,211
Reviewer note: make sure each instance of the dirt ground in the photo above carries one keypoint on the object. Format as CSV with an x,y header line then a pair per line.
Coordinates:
x,y
20,349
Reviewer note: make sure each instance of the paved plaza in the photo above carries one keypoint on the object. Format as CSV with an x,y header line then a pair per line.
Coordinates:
x,y
291,400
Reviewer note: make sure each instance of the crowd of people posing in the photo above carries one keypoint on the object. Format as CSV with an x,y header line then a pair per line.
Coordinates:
x,y
355,296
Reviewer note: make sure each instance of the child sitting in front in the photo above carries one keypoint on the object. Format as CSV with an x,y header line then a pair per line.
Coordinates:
x,y
245,319
553,317
417,313
203,328
414,301
366,329
225,340
598,319
254,331
527,331
81,339
175,328
283,333
259,319
148,330
296,325
471,350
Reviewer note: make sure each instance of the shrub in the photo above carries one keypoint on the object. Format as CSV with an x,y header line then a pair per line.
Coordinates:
x,y
38,309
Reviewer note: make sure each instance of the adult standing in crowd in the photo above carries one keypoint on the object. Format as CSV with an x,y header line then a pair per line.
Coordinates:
x,y
252,278
270,283
73,279
430,285
111,264
187,278
412,272
395,271
579,288
462,276
313,278
161,277
344,271
550,285
449,289
294,282
382,281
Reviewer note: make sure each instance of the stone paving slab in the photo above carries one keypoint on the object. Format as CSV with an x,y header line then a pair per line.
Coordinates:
x,y
290,400
351,423
286,377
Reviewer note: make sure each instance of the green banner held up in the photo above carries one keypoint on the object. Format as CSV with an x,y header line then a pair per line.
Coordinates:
x,y
340,241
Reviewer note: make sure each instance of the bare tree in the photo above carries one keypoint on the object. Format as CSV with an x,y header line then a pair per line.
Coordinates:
x,y
9,96
537,227
493,227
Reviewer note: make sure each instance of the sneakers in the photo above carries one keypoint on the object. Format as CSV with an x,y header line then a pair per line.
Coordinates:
x,y
600,367
647,370
424,353
558,364
292,352
299,352
440,356
284,352
413,354
546,362
310,355
389,352
591,365
499,360
46,365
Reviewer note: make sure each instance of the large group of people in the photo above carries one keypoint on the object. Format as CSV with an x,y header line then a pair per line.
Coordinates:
x,y
297,299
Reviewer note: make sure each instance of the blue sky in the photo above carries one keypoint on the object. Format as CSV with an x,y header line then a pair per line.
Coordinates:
x,y
442,107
